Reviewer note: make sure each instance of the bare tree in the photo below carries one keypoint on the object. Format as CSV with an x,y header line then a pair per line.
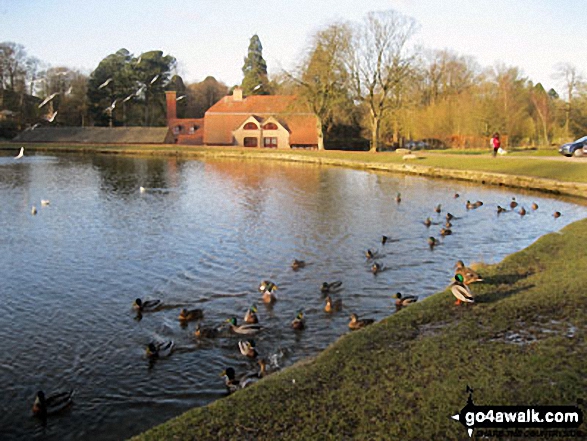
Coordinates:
x,y
570,78
380,62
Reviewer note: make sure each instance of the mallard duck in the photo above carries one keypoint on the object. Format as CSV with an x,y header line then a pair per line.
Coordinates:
x,y
355,323
248,328
205,332
384,240
251,315
456,196
297,264
513,203
438,208
160,349
447,224
332,306
557,214
401,301
268,297
469,275
232,384
186,315
55,403
147,305
45,202
534,206
500,210
299,322
247,348
432,242
522,211
472,205
267,285
428,222
449,217
371,254
461,291
445,232
398,197
376,268
33,210
330,287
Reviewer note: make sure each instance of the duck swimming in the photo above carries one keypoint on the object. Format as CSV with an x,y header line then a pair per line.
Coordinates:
x,y
438,208
384,240
432,242
513,203
330,287
355,323
267,285
428,222
376,268
534,206
160,349
247,348
500,210
445,232
371,254
401,301
297,264
251,315
299,322
473,205
55,403
461,291
147,305
557,214
398,197
332,306
248,328
206,332
189,315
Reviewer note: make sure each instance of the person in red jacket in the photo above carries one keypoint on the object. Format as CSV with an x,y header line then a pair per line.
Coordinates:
x,y
495,143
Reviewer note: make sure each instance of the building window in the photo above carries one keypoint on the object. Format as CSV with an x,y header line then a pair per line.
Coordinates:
x,y
177,130
270,126
270,142
251,126
250,142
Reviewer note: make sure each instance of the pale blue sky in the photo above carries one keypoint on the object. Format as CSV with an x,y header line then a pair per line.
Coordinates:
x,y
210,37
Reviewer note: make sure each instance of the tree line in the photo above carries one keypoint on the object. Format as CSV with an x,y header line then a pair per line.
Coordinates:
x,y
365,80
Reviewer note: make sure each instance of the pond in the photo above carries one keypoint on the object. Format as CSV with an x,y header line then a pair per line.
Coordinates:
x,y
205,234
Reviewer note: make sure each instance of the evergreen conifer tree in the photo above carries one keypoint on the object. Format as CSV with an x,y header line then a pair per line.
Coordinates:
x,y
255,80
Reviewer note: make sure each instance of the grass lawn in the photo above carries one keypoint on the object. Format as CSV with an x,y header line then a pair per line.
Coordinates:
x,y
523,342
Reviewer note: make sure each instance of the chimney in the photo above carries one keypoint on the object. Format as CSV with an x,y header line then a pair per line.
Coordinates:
x,y
170,97
237,94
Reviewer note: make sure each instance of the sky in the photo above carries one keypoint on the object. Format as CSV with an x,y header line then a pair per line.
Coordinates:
x,y
211,37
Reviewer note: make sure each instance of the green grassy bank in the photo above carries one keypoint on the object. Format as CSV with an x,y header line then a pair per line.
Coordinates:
x,y
522,343
535,173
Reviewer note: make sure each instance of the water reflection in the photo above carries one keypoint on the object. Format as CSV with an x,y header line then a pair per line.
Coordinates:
x,y
205,235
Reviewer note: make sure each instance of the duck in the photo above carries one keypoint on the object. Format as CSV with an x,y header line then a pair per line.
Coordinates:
x,y
432,242
147,305
376,268
384,240
447,224
513,203
299,322
160,349
500,210
267,285
33,210
251,315
230,380
522,211
371,254
472,205
268,297
456,196
186,315
449,216
534,206
438,208
234,384
557,214
401,300
469,275
398,197
248,328
52,404
445,232
332,306
330,287
355,323
206,332
247,348
45,202
461,291
297,264
428,222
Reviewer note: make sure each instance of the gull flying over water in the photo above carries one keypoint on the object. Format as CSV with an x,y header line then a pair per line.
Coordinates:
x,y
49,98
20,154
105,83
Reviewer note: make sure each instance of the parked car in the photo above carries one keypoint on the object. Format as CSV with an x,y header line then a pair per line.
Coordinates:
x,y
575,148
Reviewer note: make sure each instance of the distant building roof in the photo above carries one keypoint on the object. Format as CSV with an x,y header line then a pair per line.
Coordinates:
x,y
96,135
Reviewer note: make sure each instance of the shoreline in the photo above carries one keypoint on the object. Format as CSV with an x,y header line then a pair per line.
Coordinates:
x,y
384,161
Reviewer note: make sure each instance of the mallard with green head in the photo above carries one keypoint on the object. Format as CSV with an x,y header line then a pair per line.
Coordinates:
x,y
461,291
355,323
247,328
299,321
401,300
251,315
147,305
186,315
267,285
469,275
432,242
160,349
332,306
52,404
247,348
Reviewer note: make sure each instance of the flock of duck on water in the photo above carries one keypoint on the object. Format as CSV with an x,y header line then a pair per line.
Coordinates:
x,y
460,288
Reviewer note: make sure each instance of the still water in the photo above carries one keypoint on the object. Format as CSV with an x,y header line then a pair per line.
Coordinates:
x,y
204,235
